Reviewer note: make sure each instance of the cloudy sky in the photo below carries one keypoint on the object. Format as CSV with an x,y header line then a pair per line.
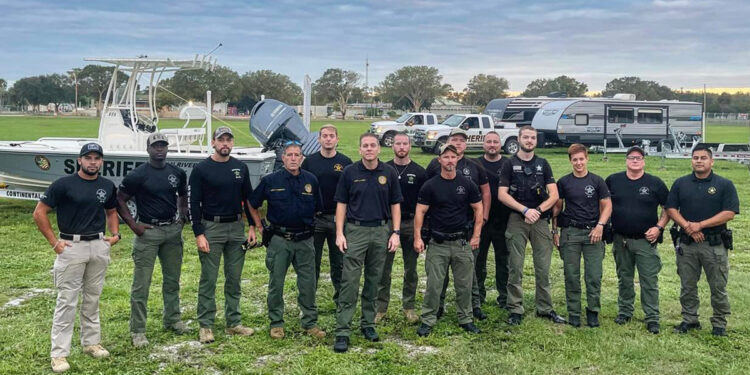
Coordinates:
x,y
679,43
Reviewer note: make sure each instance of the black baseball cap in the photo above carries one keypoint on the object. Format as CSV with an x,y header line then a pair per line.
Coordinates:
x,y
91,147
221,130
637,149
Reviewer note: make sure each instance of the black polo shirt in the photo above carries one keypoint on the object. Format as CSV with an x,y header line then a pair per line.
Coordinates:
x,y
328,171
80,203
464,167
450,202
498,211
582,196
368,194
525,175
699,199
635,203
411,177
292,200
155,190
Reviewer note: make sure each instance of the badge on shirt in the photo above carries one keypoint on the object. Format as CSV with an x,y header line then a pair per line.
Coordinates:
x,y
101,195
410,179
589,190
460,190
712,190
382,180
237,173
173,180
467,171
338,167
517,168
308,188
643,190
538,168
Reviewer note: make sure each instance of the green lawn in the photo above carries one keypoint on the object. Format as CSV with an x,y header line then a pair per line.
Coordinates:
x,y
536,346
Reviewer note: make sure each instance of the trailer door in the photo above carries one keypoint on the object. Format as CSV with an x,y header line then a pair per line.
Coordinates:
x,y
617,118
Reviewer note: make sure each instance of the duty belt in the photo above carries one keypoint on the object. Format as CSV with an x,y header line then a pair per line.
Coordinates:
x,y
158,222
223,218
292,234
440,237
564,222
367,223
82,237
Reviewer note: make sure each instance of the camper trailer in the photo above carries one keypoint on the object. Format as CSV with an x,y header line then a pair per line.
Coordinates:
x,y
520,111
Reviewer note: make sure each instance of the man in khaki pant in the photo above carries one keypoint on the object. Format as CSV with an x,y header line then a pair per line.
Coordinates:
x,y
84,203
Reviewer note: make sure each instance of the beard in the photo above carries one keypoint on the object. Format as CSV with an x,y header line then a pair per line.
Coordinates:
x,y
224,151
524,149
89,173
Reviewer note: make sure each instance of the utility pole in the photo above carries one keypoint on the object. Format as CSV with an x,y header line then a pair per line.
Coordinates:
x,y
367,85
74,73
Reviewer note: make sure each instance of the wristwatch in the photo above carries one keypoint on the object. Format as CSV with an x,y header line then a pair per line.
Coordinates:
x,y
554,231
118,235
661,228
396,232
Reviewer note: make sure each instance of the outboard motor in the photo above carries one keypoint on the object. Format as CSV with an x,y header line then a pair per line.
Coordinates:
x,y
274,123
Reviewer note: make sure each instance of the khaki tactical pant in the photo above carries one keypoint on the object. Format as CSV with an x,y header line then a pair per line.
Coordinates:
x,y
367,247
517,235
411,279
301,255
630,254
325,231
80,268
714,260
458,256
575,242
164,242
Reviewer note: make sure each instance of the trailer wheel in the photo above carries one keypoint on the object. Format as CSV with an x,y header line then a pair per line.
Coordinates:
x,y
388,139
440,142
511,146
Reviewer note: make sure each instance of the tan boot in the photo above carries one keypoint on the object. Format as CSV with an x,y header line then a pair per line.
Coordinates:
x,y
411,316
277,333
97,351
206,336
379,317
60,364
240,330
316,332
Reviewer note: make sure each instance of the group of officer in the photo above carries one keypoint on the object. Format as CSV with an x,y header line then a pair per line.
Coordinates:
x,y
454,210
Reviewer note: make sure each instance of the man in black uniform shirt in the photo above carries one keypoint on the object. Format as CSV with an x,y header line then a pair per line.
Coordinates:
x,y
702,203
411,176
447,198
156,186
636,197
327,165
493,231
219,187
471,169
85,202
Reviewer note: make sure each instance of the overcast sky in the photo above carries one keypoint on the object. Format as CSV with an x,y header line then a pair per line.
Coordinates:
x,y
678,43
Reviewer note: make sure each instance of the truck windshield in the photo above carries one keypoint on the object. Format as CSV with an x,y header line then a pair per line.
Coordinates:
x,y
454,120
403,117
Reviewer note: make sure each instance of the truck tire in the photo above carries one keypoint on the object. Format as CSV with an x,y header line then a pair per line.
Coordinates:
x,y
511,146
387,139
440,142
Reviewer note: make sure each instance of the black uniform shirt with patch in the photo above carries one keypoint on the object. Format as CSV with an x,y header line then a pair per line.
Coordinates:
x,y
699,199
635,203
582,196
328,171
464,167
368,194
155,190
524,175
411,177
450,202
80,203
292,200
217,189
498,211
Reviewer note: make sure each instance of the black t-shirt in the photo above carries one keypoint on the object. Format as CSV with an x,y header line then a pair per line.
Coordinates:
x,y
368,194
411,177
582,196
217,189
80,203
450,202
292,200
699,199
528,177
328,171
635,202
155,190
464,167
498,211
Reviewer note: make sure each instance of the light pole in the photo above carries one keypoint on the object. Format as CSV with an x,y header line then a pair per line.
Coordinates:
x,y
74,73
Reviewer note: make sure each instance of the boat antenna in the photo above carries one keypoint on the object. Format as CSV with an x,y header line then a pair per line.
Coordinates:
x,y
215,48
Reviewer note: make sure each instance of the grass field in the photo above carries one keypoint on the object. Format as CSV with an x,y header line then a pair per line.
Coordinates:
x,y
537,346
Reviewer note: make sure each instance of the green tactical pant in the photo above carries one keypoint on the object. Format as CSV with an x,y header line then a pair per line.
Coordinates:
x,y
301,255
575,242
325,231
411,279
367,247
226,239
714,260
630,254
458,256
164,242
517,235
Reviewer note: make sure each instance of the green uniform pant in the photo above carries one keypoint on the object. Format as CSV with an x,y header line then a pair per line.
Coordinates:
x,y
517,235
367,247
575,242
411,279
457,255
325,231
164,242
223,239
301,255
638,253
714,260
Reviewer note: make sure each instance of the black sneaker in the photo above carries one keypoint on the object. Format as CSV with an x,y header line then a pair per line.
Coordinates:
x,y
515,319
574,320
441,312
553,317
424,330
719,331
370,334
592,318
653,327
341,345
622,319
684,327
478,313
470,327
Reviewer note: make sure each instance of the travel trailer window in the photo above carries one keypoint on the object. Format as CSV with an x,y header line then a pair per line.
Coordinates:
x,y
621,115
582,119
511,116
650,116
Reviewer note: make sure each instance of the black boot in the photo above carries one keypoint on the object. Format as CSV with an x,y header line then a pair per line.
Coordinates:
x,y
470,327
592,318
574,320
341,345
424,330
478,313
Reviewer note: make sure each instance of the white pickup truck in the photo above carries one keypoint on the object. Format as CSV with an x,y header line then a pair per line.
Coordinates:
x,y
430,138
386,130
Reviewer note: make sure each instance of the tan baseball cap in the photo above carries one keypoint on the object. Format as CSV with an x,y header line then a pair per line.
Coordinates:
x,y
458,131
156,137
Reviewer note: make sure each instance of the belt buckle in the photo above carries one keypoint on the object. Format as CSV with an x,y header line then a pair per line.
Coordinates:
x,y
289,236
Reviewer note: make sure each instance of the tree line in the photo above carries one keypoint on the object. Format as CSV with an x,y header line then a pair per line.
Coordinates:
x,y
408,88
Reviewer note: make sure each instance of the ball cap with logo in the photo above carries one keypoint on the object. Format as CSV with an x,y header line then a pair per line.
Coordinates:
x,y
156,137
636,149
221,130
447,147
91,147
